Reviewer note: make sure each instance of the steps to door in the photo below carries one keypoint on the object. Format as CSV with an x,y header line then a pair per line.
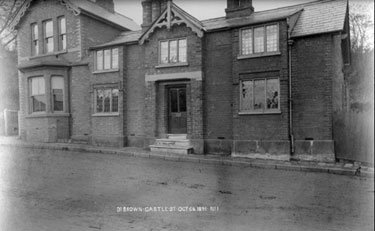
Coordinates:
x,y
175,143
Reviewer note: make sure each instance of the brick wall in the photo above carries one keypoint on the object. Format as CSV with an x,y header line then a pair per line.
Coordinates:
x,y
194,48
218,86
312,87
155,120
135,93
94,32
80,100
262,126
49,10
108,130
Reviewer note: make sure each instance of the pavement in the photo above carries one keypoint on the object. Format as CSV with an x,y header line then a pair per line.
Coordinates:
x,y
63,190
340,168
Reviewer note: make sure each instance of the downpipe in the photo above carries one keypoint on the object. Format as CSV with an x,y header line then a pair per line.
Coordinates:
x,y
291,134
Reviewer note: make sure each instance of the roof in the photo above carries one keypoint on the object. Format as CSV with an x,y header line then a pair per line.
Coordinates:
x,y
85,7
316,17
123,38
324,16
104,14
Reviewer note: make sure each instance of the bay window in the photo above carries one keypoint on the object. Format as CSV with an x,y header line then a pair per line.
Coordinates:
x,y
57,86
37,94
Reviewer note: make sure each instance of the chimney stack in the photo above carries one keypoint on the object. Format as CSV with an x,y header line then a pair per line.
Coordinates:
x,y
239,8
151,11
106,4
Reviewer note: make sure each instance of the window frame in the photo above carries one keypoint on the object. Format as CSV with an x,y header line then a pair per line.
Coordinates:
x,y
111,112
34,47
265,52
45,38
169,51
264,110
52,94
61,41
31,95
111,63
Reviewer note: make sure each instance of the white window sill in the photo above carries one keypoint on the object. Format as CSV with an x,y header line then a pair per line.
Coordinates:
x,y
260,112
110,114
49,54
172,65
106,71
44,114
259,55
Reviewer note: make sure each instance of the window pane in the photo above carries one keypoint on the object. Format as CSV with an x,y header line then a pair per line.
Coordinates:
x,y
99,60
57,85
164,52
57,82
49,44
58,100
107,100
273,93
48,29
35,47
115,58
62,26
35,34
247,96
39,103
99,100
182,100
107,59
272,35
173,100
259,39
247,42
63,42
173,51
115,94
182,50
259,94
37,86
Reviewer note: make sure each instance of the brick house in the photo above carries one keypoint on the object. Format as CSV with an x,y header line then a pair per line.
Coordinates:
x,y
256,84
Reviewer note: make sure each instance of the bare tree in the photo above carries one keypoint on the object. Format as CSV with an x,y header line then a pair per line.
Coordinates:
x,y
362,26
7,10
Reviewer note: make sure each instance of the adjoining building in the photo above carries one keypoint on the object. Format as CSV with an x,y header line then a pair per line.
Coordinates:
x,y
258,84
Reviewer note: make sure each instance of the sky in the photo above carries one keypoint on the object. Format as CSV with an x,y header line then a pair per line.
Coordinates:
x,y
201,9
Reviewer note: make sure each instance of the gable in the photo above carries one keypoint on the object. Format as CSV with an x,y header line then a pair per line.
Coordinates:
x,y
173,15
82,7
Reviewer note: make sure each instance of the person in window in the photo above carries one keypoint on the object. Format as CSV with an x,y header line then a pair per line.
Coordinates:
x,y
274,102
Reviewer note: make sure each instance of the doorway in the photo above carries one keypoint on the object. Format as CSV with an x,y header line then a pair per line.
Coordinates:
x,y
177,115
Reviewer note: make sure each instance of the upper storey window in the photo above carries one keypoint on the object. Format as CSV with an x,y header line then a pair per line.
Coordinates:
x,y
173,51
48,36
107,59
62,33
258,40
35,39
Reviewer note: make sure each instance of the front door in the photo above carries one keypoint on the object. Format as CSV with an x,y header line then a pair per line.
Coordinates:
x,y
177,110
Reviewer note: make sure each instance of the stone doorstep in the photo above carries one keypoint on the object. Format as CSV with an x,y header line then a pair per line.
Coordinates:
x,y
177,136
173,142
172,149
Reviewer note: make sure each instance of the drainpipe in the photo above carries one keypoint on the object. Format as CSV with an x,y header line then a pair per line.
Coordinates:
x,y
291,135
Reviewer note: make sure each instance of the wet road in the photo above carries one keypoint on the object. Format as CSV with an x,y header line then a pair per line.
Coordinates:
x,y
56,190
